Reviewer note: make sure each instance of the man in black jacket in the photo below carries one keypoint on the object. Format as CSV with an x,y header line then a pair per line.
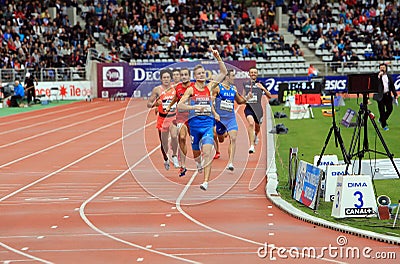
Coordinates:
x,y
384,97
30,87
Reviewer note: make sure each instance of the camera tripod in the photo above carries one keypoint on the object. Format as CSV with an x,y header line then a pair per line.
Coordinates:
x,y
362,118
338,138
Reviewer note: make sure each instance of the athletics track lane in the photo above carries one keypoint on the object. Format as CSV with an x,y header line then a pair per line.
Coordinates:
x,y
89,209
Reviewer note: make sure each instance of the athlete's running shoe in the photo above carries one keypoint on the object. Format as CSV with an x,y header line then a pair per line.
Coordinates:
x,y
230,167
182,171
166,164
199,167
204,186
256,140
217,155
252,149
175,161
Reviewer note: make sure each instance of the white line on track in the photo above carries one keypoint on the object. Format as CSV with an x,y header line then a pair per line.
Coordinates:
x,y
54,173
24,254
70,164
81,209
52,120
91,225
60,128
189,217
19,120
66,141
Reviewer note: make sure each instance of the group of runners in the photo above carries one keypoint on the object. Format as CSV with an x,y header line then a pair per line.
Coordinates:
x,y
205,111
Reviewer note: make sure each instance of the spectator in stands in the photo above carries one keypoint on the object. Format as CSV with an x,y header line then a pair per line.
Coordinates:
x,y
312,71
246,52
336,61
295,49
353,60
293,24
320,42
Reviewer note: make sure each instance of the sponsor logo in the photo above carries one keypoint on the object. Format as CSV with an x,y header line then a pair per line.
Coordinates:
x,y
338,173
272,85
335,85
112,75
397,83
356,184
325,163
358,211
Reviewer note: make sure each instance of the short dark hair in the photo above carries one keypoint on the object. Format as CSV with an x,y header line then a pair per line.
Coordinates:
x,y
384,64
165,71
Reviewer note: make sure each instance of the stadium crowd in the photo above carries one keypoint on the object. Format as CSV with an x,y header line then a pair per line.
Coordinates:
x,y
145,29
31,38
373,23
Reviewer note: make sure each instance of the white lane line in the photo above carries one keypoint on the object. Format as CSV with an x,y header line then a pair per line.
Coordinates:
x,y
52,120
66,141
70,165
24,254
55,172
59,128
95,228
46,199
178,206
41,115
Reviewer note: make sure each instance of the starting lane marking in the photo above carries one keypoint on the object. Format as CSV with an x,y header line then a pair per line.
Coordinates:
x,y
44,199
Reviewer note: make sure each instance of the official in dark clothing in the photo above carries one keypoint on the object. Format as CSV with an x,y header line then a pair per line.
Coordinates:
x,y
384,96
30,88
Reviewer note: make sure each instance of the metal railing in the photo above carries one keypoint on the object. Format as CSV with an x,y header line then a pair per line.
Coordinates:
x,y
44,74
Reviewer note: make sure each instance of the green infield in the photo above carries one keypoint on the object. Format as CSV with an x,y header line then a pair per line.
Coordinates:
x,y
309,136
6,111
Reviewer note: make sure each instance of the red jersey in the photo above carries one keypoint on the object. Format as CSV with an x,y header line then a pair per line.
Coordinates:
x,y
182,117
166,98
180,89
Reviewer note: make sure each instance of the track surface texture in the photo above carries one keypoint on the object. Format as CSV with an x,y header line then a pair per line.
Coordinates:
x,y
85,183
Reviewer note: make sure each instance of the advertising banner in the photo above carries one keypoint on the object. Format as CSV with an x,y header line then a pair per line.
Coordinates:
x,y
66,90
143,77
334,84
307,184
140,79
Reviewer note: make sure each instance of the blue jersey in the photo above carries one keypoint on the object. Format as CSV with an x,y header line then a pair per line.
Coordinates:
x,y
225,102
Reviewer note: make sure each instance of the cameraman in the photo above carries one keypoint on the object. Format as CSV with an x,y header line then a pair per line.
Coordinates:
x,y
384,96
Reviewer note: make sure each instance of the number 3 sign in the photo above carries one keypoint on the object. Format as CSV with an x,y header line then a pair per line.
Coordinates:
x,y
354,197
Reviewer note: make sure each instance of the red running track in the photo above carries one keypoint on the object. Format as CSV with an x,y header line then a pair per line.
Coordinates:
x,y
84,183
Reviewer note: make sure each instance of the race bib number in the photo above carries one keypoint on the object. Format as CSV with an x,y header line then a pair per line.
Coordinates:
x,y
253,99
205,112
165,104
203,102
226,105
